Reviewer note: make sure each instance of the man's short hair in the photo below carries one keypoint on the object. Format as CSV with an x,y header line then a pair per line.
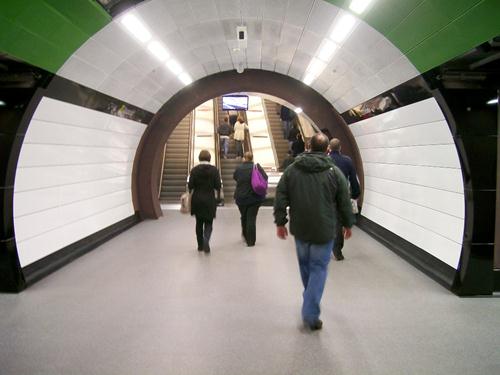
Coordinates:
x,y
248,156
335,144
204,155
226,119
319,142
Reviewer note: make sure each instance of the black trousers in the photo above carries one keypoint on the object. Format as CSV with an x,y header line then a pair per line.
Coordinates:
x,y
248,219
203,232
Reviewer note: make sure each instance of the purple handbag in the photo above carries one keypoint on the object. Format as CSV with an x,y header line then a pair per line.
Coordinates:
x,y
259,183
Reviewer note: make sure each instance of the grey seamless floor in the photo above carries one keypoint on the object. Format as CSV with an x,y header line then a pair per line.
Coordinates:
x,y
147,302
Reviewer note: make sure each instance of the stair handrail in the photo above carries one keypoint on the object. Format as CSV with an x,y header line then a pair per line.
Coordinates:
x,y
162,170
217,145
191,147
268,122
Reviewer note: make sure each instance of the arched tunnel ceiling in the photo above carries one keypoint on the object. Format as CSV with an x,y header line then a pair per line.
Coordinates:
x,y
283,36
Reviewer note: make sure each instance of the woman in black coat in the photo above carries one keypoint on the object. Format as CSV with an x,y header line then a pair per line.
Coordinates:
x,y
248,202
204,179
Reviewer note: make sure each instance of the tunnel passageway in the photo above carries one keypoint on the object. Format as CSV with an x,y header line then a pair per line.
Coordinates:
x,y
147,302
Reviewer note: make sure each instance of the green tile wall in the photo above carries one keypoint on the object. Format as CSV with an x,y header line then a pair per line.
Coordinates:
x,y
431,32
46,32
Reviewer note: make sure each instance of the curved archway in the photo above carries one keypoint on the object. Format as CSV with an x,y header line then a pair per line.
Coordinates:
x,y
148,158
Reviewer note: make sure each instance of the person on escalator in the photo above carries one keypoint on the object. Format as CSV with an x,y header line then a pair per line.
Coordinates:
x,y
239,135
224,131
204,180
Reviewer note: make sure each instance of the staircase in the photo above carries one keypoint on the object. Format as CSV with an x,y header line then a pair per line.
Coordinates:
x,y
273,118
175,164
228,166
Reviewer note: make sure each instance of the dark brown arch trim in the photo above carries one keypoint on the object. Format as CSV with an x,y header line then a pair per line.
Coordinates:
x,y
147,163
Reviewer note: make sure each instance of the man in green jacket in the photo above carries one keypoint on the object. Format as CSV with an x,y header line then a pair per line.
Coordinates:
x,y
315,190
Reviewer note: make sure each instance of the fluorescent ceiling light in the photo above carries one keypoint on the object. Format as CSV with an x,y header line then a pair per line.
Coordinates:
x,y
136,27
359,6
298,110
491,102
2,103
327,50
185,78
309,78
343,27
315,67
157,49
174,67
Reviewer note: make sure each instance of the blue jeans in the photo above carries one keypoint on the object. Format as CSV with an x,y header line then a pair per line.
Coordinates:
x,y
313,263
224,145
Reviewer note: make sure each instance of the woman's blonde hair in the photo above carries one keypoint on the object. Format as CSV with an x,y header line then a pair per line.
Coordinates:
x,y
240,119
248,156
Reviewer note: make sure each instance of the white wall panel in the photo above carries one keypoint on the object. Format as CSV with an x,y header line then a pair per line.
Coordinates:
x,y
439,200
73,177
434,155
440,247
413,178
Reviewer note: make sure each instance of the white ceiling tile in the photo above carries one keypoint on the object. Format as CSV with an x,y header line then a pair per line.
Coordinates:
x,y
282,66
228,9
301,60
79,71
268,64
144,61
352,99
268,52
114,37
275,10
321,18
253,64
203,54
331,94
153,106
147,86
196,72
320,86
285,53
204,10
252,9
181,13
96,54
221,51
297,12
115,88
224,66
229,27
194,36
211,67
309,42
271,31
254,30
363,70
363,38
290,35
175,43
341,106
254,48
157,18
161,75
371,87
383,54
128,73
137,98
398,72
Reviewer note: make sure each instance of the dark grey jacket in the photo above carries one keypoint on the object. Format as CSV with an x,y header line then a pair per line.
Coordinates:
x,y
315,190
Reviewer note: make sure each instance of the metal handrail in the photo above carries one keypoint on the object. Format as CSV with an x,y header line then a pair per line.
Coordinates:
x,y
217,146
246,142
191,147
162,170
